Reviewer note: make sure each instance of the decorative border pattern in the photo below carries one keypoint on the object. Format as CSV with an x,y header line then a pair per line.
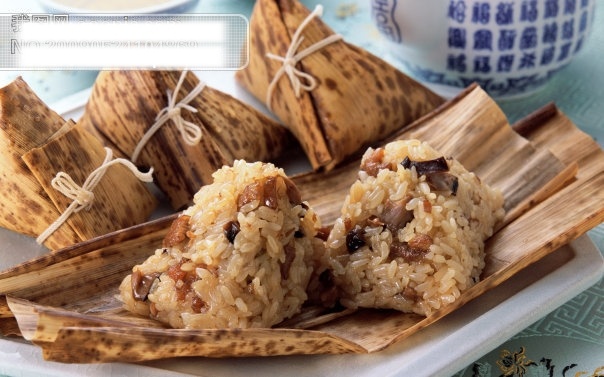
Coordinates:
x,y
581,318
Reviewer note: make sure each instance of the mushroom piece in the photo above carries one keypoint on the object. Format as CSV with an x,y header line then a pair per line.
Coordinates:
x,y
436,172
395,214
424,167
231,229
141,284
443,181
355,239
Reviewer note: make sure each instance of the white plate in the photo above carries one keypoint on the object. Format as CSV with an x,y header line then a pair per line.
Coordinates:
x,y
441,349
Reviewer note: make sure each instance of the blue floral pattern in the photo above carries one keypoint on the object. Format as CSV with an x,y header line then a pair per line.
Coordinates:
x,y
509,47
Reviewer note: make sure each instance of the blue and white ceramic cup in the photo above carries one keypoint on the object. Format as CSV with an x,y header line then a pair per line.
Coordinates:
x,y
510,47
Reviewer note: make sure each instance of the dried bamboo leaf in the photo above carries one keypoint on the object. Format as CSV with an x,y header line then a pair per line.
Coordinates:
x,y
101,260
9,327
8,323
313,316
550,225
108,244
132,343
257,75
359,99
120,198
25,123
77,311
472,129
561,180
574,146
102,340
124,105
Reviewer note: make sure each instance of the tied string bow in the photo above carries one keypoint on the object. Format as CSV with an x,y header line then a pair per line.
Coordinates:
x,y
82,196
298,78
190,132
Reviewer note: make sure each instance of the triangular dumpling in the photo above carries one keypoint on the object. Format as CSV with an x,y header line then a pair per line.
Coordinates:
x,y
358,98
124,105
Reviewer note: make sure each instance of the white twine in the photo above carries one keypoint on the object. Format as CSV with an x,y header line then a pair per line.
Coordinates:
x,y
295,75
82,196
190,132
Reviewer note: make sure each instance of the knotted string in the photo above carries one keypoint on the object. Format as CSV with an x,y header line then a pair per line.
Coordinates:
x,y
298,78
82,196
190,132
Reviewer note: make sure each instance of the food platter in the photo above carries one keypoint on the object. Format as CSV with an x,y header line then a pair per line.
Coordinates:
x,y
461,335
439,350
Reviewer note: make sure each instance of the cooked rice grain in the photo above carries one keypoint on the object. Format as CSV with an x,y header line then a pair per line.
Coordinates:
x,y
390,270
258,279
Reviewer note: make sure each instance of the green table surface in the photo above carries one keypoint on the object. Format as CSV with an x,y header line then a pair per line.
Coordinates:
x,y
568,341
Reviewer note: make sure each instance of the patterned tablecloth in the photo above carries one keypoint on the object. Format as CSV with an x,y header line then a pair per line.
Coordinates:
x,y
570,340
